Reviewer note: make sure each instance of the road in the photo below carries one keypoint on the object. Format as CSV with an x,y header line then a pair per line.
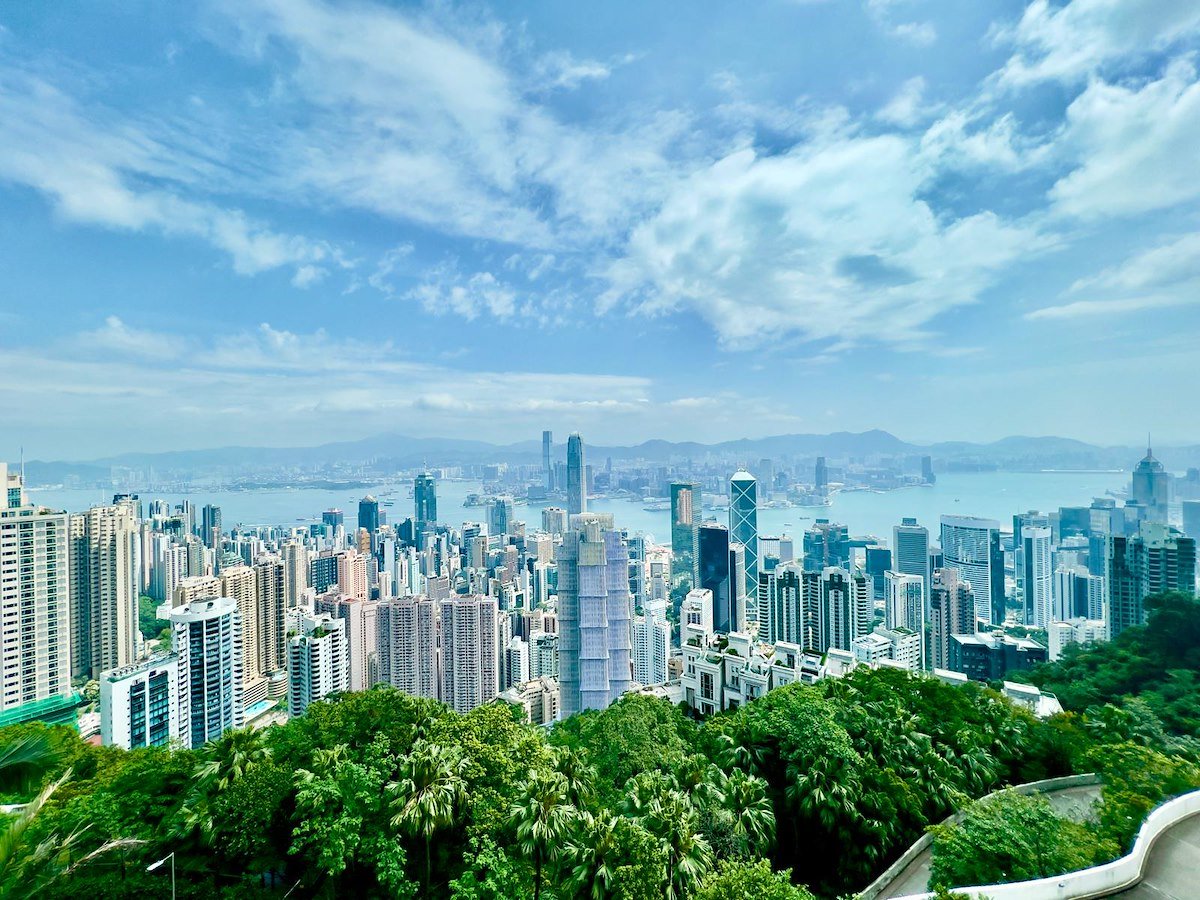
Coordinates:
x,y
1173,867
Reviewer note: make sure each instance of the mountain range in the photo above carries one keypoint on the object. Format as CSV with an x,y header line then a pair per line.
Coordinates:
x,y
396,451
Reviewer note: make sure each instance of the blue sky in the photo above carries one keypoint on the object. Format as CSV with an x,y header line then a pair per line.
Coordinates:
x,y
292,221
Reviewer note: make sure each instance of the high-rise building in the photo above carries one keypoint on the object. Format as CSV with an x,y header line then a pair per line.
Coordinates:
x,y
1036,581
470,652
1078,594
295,573
844,604
1151,487
361,634
1191,518
206,635
972,545
517,663
140,704
651,643
594,612
425,499
904,601
821,477
318,662
576,476
109,585
713,568
554,520
368,514
547,464
35,608
271,604
240,584
952,610
210,526
408,645
500,515
927,470
910,551
1158,558
685,522
743,524
785,611
333,519
826,545
544,658
697,612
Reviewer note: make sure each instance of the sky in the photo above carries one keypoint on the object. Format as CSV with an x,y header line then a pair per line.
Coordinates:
x,y
289,222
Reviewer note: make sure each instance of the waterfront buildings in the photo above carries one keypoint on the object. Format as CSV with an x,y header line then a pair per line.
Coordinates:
x,y
576,476
1151,487
685,524
425,499
1158,558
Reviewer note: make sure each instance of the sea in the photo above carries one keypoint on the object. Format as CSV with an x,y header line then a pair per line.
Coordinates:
x,y
996,495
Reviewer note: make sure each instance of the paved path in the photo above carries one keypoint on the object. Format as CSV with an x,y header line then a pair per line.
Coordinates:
x,y
1173,867
1072,803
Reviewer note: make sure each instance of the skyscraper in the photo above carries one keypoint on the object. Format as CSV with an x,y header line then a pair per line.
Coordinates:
x,y
821,477
685,521
210,526
35,608
547,463
1151,487
425,499
713,569
1158,558
651,643
910,551
318,662
368,514
952,612
576,476
743,524
240,584
470,652
206,635
295,573
407,631
972,545
594,612
845,606
1036,575
785,611
1191,518
826,544
108,584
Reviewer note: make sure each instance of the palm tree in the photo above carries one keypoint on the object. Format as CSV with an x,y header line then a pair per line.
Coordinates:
x,y
580,776
230,756
325,763
747,800
542,817
25,759
591,851
429,795
673,820
29,871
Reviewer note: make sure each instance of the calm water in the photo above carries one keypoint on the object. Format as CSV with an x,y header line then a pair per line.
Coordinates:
x,y
994,495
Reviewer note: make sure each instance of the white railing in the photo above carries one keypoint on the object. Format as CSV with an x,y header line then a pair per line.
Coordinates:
x,y
1098,881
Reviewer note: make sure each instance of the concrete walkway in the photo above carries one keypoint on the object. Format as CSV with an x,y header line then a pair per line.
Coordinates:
x,y
1073,803
1173,866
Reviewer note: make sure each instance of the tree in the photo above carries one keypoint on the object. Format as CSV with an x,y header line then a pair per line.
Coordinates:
x,y
230,756
752,815
428,796
1010,837
673,820
542,818
734,879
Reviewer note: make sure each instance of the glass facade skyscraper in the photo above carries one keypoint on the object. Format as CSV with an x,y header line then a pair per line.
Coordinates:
x,y
576,477
743,524
425,499
685,520
972,546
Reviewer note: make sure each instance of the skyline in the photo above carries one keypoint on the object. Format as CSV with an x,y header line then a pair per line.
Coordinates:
x,y
290,223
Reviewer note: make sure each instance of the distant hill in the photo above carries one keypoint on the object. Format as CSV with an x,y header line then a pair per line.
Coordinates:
x,y
397,451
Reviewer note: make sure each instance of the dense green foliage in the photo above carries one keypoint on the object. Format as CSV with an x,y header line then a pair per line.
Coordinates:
x,y
1158,663
379,794
1115,693
1010,837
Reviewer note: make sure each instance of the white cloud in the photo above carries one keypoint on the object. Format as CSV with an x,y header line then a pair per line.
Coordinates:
x,y
446,290
908,106
1137,148
308,275
114,337
561,70
110,174
829,241
1163,276
884,13
1069,42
